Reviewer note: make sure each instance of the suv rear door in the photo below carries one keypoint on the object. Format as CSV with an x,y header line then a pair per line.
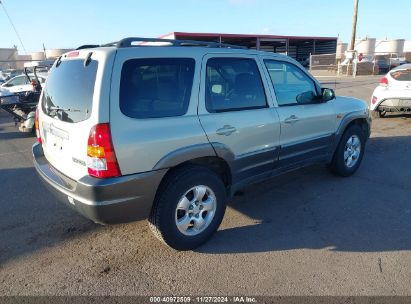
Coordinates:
x,y
74,99
153,112
237,116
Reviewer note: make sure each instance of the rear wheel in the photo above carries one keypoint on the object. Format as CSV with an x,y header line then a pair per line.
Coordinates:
x,y
349,153
189,207
378,114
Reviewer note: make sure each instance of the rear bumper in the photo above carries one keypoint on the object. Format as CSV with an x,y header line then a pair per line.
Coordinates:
x,y
105,201
395,105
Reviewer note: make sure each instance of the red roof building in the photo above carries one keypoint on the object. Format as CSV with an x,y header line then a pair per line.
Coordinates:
x,y
298,47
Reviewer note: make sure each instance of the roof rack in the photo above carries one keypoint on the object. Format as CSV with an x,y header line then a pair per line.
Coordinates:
x,y
128,42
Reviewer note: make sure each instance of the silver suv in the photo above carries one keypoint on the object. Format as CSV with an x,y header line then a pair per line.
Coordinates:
x,y
170,130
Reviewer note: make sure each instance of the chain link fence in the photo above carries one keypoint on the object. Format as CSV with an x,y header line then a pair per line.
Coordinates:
x,y
324,65
353,63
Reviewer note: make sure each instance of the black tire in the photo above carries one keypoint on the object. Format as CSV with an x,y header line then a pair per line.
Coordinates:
x,y
338,165
378,114
162,220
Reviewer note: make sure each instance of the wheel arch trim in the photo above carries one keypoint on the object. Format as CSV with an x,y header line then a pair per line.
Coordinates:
x,y
181,155
346,121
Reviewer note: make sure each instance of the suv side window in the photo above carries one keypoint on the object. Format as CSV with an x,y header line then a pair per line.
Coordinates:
x,y
233,84
156,87
291,85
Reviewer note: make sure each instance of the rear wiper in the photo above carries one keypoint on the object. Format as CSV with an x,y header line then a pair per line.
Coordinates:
x,y
52,111
57,108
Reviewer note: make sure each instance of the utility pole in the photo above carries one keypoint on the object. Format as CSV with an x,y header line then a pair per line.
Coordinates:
x,y
44,50
354,25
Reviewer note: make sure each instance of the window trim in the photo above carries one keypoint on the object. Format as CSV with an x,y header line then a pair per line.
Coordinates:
x,y
255,60
301,70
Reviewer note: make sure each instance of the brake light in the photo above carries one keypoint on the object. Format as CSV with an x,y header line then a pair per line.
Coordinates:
x,y
374,100
73,54
384,82
36,125
101,158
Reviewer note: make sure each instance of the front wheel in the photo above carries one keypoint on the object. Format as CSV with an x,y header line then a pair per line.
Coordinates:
x,y
188,208
378,114
349,153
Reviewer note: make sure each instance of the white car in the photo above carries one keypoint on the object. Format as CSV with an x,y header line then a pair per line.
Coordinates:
x,y
393,93
7,97
21,83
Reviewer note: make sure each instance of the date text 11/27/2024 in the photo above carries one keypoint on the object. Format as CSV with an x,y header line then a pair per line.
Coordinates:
x,y
214,299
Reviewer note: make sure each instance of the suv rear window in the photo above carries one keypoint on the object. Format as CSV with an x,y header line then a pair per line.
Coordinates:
x,y
401,75
156,87
70,87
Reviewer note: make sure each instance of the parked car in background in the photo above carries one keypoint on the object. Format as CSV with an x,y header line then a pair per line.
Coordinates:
x,y
393,94
22,83
6,96
10,73
170,132
382,64
397,61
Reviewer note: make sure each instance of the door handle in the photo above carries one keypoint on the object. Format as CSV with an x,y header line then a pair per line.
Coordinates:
x,y
226,130
291,119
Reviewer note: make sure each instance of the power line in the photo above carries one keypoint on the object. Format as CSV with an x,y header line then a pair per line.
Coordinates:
x,y
12,24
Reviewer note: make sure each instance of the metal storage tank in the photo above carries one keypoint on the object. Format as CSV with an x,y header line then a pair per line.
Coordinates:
x,y
21,60
365,46
390,46
37,56
55,53
341,48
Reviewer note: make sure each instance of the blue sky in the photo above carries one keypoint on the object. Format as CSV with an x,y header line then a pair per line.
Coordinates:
x,y
70,23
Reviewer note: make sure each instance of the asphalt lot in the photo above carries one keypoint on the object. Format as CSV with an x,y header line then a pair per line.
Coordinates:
x,y
304,233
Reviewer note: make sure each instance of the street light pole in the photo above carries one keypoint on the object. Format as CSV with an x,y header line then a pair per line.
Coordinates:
x,y
354,25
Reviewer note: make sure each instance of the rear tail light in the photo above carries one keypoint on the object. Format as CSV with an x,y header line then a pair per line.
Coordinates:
x,y
36,125
101,158
374,100
384,82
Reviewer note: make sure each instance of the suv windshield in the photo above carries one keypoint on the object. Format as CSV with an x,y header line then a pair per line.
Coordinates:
x,y
68,95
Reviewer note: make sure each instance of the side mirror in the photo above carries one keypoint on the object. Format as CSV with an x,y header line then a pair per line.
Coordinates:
x,y
327,94
305,97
